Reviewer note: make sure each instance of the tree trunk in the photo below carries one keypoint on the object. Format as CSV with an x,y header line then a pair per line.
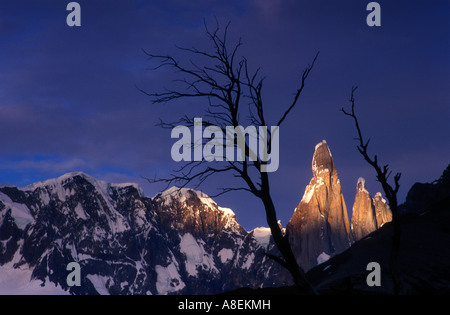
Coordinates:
x,y
395,250
283,245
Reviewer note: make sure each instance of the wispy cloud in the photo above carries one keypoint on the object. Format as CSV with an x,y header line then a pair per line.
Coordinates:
x,y
50,165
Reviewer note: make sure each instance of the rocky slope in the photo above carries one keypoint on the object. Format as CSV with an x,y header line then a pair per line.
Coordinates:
x,y
319,227
180,241
423,195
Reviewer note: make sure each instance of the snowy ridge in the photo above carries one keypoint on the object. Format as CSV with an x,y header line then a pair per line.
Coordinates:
x,y
59,183
21,214
179,242
183,194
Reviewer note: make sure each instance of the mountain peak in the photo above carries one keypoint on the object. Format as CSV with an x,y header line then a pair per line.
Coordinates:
x,y
322,159
319,226
369,214
194,211
363,219
183,194
100,185
60,180
379,197
361,186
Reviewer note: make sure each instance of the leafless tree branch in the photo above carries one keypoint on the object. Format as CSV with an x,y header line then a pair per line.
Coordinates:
x,y
383,174
224,81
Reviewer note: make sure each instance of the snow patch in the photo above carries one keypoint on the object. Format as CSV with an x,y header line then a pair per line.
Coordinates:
x,y
17,281
44,196
323,257
168,279
99,283
20,212
309,192
80,211
249,261
181,194
195,255
361,185
361,181
225,255
262,236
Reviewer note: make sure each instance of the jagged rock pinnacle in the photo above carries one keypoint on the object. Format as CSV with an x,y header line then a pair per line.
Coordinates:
x,y
322,159
320,227
363,218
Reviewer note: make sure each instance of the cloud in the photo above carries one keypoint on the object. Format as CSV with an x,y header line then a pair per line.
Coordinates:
x,y
44,165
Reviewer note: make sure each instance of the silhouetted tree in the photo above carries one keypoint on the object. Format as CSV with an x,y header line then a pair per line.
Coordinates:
x,y
232,91
383,174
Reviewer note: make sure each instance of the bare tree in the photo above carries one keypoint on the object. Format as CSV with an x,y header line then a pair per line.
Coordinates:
x,y
383,174
233,94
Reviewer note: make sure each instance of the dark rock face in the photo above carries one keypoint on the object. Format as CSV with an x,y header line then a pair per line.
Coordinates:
x,y
319,227
178,242
422,195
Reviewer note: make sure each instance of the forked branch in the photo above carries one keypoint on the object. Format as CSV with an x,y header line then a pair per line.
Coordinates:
x,y
383,174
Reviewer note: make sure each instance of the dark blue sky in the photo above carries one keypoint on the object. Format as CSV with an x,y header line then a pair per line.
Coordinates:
x,y
68,97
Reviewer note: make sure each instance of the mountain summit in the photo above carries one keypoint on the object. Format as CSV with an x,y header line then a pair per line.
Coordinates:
x,y
319,227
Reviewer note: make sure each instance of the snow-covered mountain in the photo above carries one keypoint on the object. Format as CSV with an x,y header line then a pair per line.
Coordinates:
x,y
179,241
